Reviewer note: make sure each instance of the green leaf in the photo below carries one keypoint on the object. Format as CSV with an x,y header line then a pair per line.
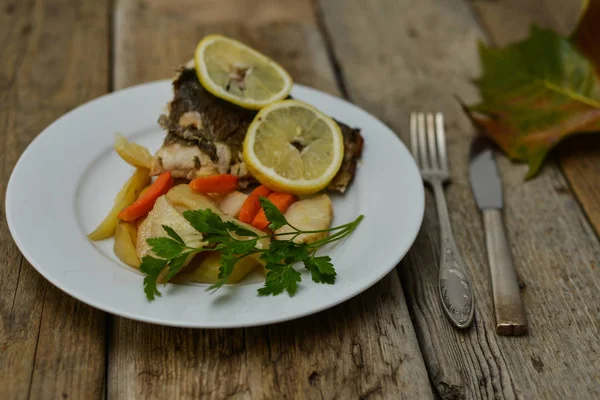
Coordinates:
x,y
233,246
151,265
165,247
285,251
205,221
150,287
239,230
273,214
228,262
171,232
175,266
321,269
280,277
586,35
534,94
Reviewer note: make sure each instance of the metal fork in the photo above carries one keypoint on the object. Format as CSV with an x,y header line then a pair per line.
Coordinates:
x,y
428,147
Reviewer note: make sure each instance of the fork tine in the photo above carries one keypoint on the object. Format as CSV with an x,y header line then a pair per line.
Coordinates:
x,y
441,141
414,145
422,141
433,157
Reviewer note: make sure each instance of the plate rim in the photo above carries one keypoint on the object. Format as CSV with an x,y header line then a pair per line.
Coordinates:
x,y
21,242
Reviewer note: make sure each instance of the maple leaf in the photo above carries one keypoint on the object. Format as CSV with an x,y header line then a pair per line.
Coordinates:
x,y
587,32
534,94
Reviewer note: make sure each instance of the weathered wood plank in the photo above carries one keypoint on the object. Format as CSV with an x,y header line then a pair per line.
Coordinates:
x,y
508,20
397,56
51,345
366,347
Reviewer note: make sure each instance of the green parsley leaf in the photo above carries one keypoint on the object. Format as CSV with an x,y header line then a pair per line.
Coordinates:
x,y
205,221
285,251
171,232
228,262
165,247
150,287
175,266
233,246
273,214
239,230
280,277
321,269
152,267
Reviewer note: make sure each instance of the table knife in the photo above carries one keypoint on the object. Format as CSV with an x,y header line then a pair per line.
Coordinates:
x,y
487,189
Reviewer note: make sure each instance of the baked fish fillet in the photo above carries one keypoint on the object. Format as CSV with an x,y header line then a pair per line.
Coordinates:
x,y
205,136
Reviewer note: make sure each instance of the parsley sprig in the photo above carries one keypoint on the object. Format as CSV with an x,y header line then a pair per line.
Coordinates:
x,y
235,242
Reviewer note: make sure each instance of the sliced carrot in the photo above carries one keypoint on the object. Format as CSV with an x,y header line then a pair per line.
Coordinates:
x,y
281,200
145,202
252,204
221,184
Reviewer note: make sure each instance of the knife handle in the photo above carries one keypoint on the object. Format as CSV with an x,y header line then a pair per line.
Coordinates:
x,y
510,313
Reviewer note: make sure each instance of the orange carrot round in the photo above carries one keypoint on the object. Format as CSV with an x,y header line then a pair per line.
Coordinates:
x,y
221,184
281,200
251,205
145,202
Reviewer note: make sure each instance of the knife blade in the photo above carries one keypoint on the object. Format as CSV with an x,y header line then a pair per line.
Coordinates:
x,y
487,190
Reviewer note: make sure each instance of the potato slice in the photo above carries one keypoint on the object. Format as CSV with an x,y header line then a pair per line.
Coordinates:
x,y
127,195
165,213
132,153
125,239
232,203
312,214
207,269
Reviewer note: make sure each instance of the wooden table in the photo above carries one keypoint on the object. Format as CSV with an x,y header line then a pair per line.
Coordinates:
x,y
393,341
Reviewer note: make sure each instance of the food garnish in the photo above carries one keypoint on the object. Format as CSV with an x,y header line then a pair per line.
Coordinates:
x,y
239,74
145,202
235,242
292,147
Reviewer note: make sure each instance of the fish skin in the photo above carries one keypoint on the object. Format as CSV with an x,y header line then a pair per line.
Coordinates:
x,y
197,118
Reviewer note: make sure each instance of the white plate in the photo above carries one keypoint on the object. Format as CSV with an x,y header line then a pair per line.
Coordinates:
x,y
65,182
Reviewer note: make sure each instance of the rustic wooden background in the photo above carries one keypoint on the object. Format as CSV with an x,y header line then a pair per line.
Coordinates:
x,y
393,341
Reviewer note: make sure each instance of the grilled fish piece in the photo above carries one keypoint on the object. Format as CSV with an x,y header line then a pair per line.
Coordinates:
x,y
205,136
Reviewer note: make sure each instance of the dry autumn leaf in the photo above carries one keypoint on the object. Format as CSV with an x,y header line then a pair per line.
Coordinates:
x,y
540,90
587,33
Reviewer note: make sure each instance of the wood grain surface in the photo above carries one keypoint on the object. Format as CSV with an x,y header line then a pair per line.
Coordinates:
x,y
364,348
390,57
51,346
400,56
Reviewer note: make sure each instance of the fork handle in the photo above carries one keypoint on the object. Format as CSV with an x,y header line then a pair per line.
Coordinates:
x,y
508,305
454,286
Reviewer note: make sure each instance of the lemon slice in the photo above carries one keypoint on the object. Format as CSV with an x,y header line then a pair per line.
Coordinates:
x,y
293,147
239,74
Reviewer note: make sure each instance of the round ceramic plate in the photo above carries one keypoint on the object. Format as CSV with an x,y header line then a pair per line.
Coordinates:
x,y
77,174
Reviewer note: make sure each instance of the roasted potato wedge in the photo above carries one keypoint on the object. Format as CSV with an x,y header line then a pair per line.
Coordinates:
x,y
127,195
125,239
207,269
132,153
